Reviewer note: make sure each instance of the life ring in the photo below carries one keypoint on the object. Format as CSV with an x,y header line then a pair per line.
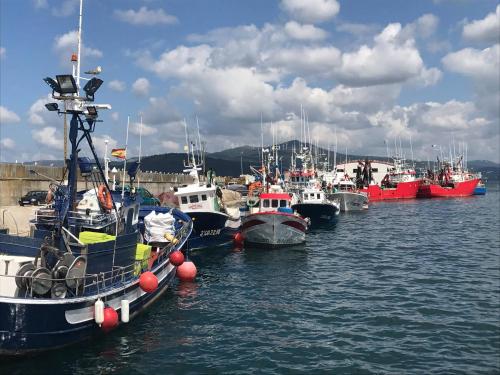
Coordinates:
x,y
104,197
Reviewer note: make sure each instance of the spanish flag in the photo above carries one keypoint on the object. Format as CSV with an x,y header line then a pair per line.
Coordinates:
x,y
120,153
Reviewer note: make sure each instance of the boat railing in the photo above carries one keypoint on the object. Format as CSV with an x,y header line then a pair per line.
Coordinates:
x,y
92,219
91,284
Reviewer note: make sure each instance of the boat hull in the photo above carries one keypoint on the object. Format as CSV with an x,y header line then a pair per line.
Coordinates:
x,y
480,190
211,230
403,190
318,213
273,229
459,189
35,325
350,201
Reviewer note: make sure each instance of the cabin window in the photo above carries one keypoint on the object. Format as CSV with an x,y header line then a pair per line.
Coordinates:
x,y
317,196
184,200
282,203
354,170
274,203
266,203
374,169
203,197
193,199
340,170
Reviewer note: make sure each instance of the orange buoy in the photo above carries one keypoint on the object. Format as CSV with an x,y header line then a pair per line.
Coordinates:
x,y
148,282
238,239
104,197
176,258
186,271
110,319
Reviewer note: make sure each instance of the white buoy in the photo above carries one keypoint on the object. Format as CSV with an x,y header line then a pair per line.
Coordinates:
x,y
125,310
99,311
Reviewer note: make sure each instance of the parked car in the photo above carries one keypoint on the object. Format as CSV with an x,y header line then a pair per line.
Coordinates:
x,y
35,197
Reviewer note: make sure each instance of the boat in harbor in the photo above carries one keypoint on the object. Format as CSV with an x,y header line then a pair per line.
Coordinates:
x,y
215,223
314,205
347,194
273,223
400,182
82,271
481,186
452,180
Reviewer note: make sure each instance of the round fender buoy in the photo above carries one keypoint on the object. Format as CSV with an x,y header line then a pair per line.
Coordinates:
x,y
110,319
186,271
238,239
148,282
176,258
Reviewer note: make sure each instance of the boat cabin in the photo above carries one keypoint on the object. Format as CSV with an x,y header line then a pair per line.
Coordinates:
x,y
198,198
270,202
312,196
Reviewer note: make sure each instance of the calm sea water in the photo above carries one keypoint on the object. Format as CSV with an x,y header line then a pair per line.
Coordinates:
x,y
405,287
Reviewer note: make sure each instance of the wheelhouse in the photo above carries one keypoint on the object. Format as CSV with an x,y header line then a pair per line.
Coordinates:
x,y
270,202
203,198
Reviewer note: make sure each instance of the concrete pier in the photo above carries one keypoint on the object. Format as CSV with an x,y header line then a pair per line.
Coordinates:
x,y
17,179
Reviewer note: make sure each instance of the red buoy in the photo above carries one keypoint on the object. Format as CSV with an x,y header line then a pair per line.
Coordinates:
x,y
186,271
176,258
148,282
110,319
238,239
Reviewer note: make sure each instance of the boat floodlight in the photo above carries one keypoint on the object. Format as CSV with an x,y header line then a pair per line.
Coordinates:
x,y
92,111
53,84
52,107
67,84
92,86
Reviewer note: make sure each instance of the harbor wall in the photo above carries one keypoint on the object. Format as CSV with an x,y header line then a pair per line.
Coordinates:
x,y
17,179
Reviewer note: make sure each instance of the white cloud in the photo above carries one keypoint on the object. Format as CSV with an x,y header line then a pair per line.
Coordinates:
x,y
486,30
39,4
141,87
100,144
117,85
38,114
304,32
115,116
422,27
357,29
144,16
135,128
3,52
478,64
66,44
7,143
67,8
48,137
390,60
311,11
7,116
170,146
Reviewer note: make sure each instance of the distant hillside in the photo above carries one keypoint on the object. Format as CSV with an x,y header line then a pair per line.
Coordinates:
x,y
233,161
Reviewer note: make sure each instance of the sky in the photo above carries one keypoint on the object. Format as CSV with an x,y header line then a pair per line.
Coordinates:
x,y
367,73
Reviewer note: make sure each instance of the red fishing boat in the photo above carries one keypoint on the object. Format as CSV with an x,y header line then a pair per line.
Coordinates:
x,y
452,181
399,183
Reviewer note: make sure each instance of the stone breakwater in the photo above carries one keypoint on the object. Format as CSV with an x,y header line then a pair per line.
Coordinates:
x,y
17,179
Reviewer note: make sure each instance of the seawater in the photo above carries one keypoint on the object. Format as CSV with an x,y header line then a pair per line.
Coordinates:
x,y
404,287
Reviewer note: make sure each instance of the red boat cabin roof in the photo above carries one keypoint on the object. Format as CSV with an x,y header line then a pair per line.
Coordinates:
x,y
275,196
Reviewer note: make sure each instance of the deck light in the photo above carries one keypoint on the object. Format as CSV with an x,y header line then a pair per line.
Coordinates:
x,y
52,107
67,84
92,111
92,86
53,84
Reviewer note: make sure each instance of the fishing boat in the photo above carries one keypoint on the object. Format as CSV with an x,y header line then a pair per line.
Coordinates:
x,y
273,223
314,204
399,183
346,193
452,180
81,272
214,222
481,186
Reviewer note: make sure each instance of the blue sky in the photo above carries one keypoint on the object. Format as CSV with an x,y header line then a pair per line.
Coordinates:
x,y
367,71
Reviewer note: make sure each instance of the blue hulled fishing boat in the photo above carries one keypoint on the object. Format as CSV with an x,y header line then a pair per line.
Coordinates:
x,y
82,270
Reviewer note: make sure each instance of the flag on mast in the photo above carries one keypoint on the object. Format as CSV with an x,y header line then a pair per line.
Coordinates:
x,y
120,153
